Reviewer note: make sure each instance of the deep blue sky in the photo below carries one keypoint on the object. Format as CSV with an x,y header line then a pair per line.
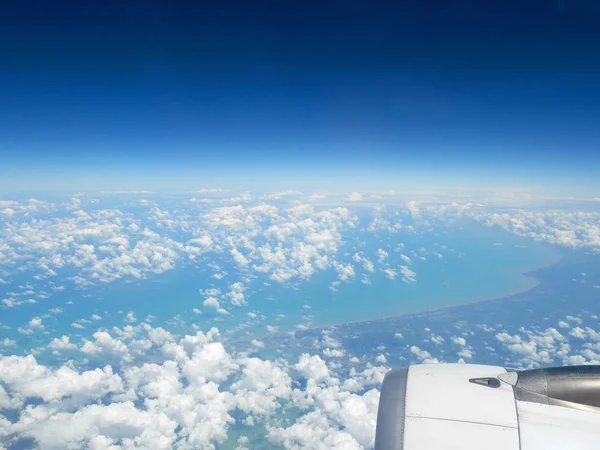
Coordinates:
x,y
143,94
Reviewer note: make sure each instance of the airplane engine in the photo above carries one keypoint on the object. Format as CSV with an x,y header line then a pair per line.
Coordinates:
x,y
475,407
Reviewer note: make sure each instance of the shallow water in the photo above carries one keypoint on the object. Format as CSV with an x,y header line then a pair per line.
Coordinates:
x,y
476,263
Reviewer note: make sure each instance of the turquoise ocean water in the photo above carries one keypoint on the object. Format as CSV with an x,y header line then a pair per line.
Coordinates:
x,y
477,263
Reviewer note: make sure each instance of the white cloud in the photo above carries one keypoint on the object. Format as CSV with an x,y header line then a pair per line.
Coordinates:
x,y
36,322
211,302
6,342
236,294
406,259
536,347
105,345
183,387
280,195
63,343
437,340
390,273
334,353
574,229
381,359
345,271
313,367
130,318
459,341
465,354
355,197
577,332
408,276
381,255
190,389
423,355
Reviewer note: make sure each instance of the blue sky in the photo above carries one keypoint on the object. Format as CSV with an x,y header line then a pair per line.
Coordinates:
x,y
148,95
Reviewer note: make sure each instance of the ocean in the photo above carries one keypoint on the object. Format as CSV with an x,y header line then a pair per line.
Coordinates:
x,y
457,264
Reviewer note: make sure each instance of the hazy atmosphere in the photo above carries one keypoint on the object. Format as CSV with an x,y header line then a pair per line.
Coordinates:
x,y
221,225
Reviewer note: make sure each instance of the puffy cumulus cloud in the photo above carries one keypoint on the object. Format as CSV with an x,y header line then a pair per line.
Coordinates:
x,y
345,271
167,392
355,197
577,320
533,348
98,245
94,245
577,332
239,258
36,322
236,294
381,358
10,209
408,276
368,265
25,378
334,353
413,208
313,368
203,243
281,244
313,431
381,255
390,273
213,302
568,228
437,340
406,259
103,427
465,354
105,345
6,342
459,341
423,356
337,417
260,386
577,229
63,343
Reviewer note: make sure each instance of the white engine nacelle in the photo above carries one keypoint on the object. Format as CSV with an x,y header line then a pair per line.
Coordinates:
x,y
469,407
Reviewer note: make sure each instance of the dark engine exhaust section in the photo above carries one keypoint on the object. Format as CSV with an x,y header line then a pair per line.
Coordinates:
x,y
573,387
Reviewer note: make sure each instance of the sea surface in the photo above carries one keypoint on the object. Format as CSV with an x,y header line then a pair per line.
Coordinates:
x,y
454,265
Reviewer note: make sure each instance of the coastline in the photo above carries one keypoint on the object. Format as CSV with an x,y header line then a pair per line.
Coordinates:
x,y
527,274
